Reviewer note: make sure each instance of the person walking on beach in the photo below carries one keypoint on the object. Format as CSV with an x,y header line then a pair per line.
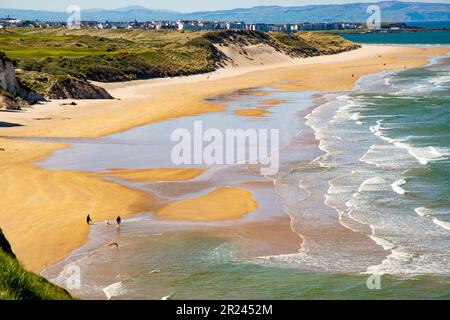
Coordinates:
x,y
119,220
88,219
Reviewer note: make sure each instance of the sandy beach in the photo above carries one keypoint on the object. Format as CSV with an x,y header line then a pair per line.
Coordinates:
x,y
43,211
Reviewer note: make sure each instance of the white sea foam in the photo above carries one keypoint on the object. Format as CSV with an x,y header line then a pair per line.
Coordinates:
x,y
439,80
377,130
343,97
394,263
115,290
344,113
372,184
387,156
443,224
355,116
416,89
422,154
382,242
397,186
423,212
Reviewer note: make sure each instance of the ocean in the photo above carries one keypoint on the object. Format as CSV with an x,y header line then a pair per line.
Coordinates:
x,y
422,38
430,24
369,199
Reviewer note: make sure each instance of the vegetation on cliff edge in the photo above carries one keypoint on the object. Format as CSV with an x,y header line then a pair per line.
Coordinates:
x,y
18,284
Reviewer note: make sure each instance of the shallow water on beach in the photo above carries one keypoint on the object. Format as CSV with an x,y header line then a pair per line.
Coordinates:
x,y
265,231
370,198
150,146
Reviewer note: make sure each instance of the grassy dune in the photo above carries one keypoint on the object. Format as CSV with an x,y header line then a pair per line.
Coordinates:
x,y
45,55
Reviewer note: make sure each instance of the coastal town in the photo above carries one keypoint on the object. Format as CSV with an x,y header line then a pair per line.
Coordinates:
x,y
199,25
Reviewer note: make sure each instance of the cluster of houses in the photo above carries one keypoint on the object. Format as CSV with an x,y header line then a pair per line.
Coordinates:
x,y
166,25
294,27
11,22
186,25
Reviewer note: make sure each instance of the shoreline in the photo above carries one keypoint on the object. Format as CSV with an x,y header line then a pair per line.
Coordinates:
x,y
186,97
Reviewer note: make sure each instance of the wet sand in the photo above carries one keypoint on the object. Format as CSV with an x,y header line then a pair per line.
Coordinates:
x,y
219,204
251,112
153,175
43,211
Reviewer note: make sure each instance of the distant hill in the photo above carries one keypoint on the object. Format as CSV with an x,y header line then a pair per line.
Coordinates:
x,y
391,11
122,14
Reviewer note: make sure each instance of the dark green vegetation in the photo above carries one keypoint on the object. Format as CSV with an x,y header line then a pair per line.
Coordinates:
x,y
18,284
45,56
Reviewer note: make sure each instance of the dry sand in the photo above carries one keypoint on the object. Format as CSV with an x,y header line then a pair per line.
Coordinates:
x,y
43,211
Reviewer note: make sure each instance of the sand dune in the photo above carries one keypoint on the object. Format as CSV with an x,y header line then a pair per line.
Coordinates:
x,y
253,55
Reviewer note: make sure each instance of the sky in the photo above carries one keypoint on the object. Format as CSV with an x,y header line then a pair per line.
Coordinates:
x,y
175,5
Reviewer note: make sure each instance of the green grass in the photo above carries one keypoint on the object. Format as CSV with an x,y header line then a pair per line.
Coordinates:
x,y
38,44
43,55
312,43
18,284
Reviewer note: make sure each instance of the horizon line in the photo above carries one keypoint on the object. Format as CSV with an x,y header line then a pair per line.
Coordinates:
x,y
237,8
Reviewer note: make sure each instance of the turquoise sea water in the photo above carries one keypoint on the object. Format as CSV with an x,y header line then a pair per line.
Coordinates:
x,y
430,24
373,199
439,37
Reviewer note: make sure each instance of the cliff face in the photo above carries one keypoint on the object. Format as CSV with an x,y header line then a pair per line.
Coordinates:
x,y
9,86
71,88
12,95
8,79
